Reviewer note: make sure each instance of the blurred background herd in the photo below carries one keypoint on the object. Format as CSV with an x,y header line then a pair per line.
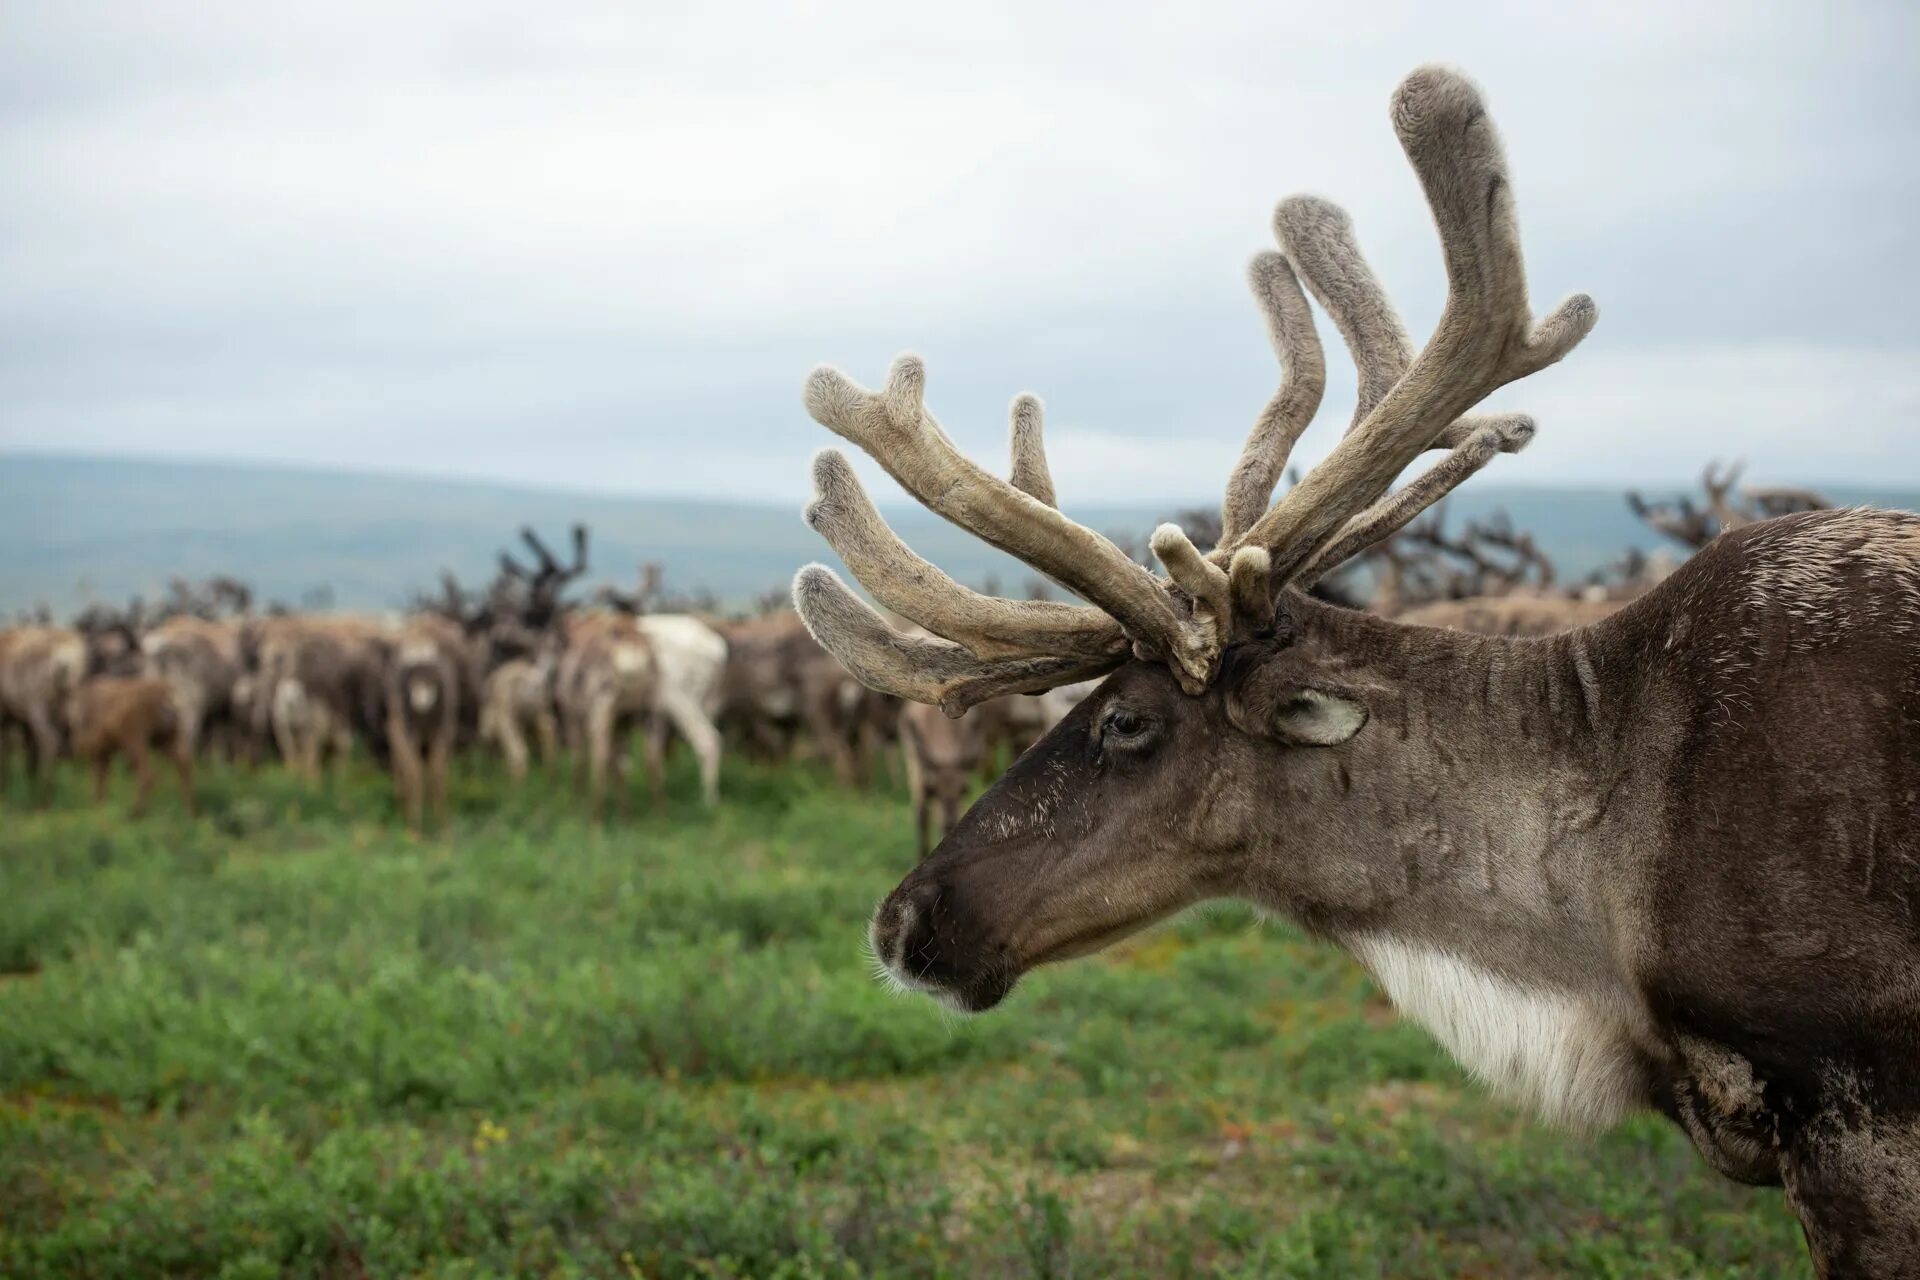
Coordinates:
x,y
546,664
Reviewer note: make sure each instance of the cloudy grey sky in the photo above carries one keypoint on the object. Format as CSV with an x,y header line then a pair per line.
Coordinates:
x,y
601,247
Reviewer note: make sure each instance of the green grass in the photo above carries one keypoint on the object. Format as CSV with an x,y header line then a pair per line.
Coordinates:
x,y
290,1039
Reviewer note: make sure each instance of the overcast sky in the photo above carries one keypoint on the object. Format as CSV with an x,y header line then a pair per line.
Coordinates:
x,y
601,248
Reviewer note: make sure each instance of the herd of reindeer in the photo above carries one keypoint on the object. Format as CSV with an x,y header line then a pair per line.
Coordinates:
x,y
521,669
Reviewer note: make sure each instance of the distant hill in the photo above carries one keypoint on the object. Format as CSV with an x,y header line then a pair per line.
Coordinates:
x,y
82,529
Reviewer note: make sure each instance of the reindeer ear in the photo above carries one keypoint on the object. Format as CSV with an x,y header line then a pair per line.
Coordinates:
x,y
1270,705
1316,717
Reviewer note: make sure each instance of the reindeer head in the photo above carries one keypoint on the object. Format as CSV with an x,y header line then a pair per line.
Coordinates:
x,y
1163,786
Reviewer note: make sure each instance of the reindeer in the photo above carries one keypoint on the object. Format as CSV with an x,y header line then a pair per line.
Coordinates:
x,y
130,716
517,700
533,596
200,659
1694,527
318,683
1511,597
422,682
941,754
691,658
1670,860
39,667
779,684
689,691
310,730
608,680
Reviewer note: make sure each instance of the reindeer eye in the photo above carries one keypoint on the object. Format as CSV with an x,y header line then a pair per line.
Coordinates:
x,y
1124,728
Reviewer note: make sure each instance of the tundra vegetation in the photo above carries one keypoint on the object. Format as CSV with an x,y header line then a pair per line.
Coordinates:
x,y
288,1038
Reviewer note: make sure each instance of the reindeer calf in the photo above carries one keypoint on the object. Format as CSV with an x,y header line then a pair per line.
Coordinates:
x,y
130,716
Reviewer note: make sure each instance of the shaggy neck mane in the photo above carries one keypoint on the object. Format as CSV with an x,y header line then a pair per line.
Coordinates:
x,y
1463,847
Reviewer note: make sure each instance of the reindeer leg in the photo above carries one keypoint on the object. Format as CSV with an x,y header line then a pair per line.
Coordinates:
x,y
1853,1177
292,749
546,728
620,747
910,765
599,744
700,733
341,739
141,759
192,713
656,749
101,761
46,750
406,769
437,763
579,737
513,744
183,765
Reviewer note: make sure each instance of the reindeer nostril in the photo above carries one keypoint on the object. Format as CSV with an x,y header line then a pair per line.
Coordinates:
x,y
908,917
902,933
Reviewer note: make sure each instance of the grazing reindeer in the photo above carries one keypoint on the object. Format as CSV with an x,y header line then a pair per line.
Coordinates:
x,y
517,698
129,716
779,684
422,694
691,658
1670,860
39,668
686,687
942,754
200,659
318,681
309,730
608,680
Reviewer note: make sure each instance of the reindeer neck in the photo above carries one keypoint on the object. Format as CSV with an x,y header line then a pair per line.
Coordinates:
x,y
1492,806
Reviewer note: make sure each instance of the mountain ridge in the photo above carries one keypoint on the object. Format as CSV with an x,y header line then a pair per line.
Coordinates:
x,y
81,528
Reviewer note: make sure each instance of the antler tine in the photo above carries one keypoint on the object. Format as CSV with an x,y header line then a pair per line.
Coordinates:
x,y
1303,381
894,427
1318,237
1194,574
579,564
1392,514
1483,341
1250,584
902,581
1718,481
549,565
1029,474
922,668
